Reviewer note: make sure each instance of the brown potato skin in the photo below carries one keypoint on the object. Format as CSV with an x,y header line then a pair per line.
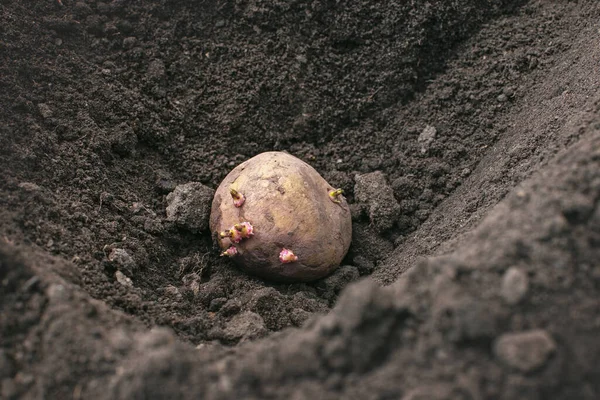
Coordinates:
x,y
288,204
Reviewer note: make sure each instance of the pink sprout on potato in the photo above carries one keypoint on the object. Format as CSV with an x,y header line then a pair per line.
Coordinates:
x,y
245,229
230,252
238,198
287,256
291,207
238,232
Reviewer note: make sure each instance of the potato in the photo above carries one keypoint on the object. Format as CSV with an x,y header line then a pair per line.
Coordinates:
x,y
277,218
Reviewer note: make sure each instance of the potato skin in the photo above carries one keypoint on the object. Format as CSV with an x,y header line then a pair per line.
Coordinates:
x,y
287,203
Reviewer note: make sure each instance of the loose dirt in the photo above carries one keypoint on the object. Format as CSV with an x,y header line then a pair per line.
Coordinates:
x,y
480,280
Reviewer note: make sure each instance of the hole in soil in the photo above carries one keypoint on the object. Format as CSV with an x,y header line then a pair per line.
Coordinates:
x,y
127,113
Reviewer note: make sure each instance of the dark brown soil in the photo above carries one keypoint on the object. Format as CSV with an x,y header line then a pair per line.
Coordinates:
x,y
481,282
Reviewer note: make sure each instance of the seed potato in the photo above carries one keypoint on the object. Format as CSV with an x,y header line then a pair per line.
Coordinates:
x,y
277,218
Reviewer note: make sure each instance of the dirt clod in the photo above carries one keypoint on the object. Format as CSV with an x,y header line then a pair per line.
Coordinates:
x,y
245,326
374,193
525,351
122,260
189,206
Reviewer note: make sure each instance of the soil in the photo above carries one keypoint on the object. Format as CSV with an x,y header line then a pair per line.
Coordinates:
x,y
480,277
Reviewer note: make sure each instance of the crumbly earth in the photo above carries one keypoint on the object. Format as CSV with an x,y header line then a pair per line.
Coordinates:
x,y
483,118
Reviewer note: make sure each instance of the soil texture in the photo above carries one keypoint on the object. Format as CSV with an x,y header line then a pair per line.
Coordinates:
x,y
465,135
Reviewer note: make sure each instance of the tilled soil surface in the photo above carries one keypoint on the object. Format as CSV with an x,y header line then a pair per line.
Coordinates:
x,y
478,278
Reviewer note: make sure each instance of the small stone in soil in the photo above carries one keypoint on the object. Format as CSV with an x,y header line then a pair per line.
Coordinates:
x,y
514,285
122,260
525,351
123,280
426,138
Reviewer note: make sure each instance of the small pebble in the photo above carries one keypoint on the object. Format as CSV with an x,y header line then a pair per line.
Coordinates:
x,y
525,351
514,285
123,280
122,260
426,138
